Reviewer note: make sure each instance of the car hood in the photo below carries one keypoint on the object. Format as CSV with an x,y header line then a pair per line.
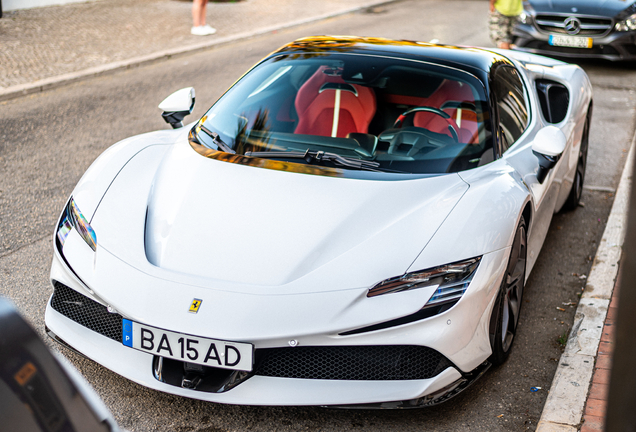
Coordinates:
x,y
249,225
609,8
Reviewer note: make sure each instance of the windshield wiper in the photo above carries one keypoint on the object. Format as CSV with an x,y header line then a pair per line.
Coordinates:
x,y
216,139
311,156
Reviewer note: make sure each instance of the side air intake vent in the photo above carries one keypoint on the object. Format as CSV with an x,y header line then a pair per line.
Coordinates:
x,y
554,98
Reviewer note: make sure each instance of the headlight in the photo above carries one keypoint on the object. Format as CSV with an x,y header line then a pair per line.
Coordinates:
x,y
73,218
525,18
627,24
526,15
451,281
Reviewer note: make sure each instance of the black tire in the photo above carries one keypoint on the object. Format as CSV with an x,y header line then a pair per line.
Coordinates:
x,y
574,198
505,316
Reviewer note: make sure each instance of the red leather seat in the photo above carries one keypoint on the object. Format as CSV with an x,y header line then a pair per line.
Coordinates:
x,y
465,120
327,106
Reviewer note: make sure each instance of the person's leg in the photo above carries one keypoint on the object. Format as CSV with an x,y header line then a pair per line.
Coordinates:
x,y
198,12
198,19
498,29
204,6
494,27
508,26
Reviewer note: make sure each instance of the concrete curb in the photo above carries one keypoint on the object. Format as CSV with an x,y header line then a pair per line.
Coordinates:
x,y
564,408
111,68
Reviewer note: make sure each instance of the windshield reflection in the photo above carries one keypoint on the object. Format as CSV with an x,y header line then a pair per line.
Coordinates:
x,y
400,116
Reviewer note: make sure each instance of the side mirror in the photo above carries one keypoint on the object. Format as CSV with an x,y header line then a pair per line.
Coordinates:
x,y
548,146
176,106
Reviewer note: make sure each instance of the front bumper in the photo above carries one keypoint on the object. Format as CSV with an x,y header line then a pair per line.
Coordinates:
x,y
615,46
459,337
257,390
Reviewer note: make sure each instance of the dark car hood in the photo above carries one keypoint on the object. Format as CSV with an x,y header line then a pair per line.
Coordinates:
x,y
609,8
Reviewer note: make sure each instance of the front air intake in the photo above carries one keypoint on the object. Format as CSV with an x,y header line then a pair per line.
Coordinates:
x,y
86,312
360,363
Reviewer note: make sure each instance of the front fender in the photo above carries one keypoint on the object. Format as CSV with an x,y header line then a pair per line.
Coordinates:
x,y
483,221
93,185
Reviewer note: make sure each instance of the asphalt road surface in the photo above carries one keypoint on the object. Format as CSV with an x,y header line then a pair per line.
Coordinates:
x,y
48,140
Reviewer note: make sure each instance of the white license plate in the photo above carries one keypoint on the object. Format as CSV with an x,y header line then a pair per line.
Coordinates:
x,y
187,348
570,41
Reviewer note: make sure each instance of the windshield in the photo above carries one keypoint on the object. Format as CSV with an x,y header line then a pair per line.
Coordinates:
x,y
358,112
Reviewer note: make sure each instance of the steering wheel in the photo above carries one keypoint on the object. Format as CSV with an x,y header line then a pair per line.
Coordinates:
x,y
452,127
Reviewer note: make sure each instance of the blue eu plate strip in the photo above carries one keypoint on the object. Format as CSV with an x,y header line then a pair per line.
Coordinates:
x,y
127,335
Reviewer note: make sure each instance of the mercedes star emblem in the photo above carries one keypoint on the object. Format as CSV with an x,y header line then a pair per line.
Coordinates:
x,y
572,25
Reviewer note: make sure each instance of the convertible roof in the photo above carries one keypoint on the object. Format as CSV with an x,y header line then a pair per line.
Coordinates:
x,y
458,56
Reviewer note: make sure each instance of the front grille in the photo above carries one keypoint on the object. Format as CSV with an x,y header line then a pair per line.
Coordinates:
x,y
630,48
590,26
86,312
370,363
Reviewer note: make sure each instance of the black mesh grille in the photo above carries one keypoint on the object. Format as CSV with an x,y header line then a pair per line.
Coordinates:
x,y
86,312
388,362
630,48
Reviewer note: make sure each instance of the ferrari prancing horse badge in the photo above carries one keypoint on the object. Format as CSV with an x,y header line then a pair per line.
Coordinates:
x,y
196,304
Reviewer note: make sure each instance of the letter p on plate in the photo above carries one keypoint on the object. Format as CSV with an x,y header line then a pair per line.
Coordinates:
x,y
127,332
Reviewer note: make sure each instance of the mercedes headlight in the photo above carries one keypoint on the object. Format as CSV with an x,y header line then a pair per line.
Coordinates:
x,y
451,281
71,218
628,24
526,16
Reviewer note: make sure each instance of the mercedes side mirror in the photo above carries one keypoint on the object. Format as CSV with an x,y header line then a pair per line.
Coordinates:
x,y
176,106
548,146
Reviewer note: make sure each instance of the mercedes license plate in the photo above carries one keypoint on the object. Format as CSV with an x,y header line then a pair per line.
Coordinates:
x,y
187,348
570,41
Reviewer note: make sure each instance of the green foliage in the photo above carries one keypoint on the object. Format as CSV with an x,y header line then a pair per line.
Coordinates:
x,y
563,339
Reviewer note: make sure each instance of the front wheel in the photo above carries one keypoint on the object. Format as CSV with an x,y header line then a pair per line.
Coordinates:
x,y
505,316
